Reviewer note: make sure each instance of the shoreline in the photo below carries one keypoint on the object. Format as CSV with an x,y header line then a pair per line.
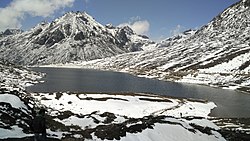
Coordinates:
x,y
150,78
80,66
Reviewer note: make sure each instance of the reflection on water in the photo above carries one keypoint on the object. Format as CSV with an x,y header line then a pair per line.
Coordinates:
x,y
230,103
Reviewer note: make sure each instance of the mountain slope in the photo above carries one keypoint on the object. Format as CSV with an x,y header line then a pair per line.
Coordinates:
x,y
216,54
72,37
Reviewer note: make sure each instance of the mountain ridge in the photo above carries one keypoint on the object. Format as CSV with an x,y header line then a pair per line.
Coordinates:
x,y
71,37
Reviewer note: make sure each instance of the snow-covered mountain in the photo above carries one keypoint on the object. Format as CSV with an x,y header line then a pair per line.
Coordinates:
x,y
8,32
72,37
176,39
216,54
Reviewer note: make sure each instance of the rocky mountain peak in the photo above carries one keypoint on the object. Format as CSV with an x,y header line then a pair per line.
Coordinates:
x,y
72,25
74,36
128,30
77,17
8,32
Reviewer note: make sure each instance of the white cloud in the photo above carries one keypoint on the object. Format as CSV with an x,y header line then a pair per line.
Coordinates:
x,y
138,25
141,27
178,29
12,15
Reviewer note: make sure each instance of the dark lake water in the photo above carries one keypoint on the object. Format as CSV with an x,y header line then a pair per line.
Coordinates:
x,y
230,103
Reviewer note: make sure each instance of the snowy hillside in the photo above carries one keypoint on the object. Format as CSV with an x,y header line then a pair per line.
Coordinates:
x,y
73,116
15,110
217,54
72,37
18,77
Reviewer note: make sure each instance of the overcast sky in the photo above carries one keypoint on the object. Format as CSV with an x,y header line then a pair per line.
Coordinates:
x,y
156,18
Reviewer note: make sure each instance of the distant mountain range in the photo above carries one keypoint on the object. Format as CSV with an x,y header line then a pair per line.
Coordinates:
x,y
72,37
216,54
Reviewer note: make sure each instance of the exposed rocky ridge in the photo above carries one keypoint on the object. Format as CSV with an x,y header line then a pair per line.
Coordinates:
x,y
8,32
72,37
176,39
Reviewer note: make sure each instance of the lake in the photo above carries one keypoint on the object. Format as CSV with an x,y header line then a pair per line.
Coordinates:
x,y
230,103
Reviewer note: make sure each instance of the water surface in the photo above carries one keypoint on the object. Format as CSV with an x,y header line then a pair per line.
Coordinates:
x,y
230,103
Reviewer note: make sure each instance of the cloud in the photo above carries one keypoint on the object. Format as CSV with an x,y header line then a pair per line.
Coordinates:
x,y
138,25
177,30
12,15
141,27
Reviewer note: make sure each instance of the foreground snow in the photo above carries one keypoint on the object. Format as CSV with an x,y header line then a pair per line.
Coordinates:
x,y
133,106
167,118
173,125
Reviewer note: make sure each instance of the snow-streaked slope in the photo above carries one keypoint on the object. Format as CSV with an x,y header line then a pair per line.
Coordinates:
x,y
216,54
72,37
19,77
